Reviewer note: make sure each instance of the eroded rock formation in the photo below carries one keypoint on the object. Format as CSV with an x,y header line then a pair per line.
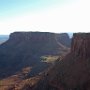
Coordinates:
x,y
73,72
25,49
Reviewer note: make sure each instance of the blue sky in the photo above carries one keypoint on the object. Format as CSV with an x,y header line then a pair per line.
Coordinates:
x,y
44,15
17,7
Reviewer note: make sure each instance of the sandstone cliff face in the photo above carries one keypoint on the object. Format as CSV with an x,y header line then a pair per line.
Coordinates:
x,y
80,45
73,72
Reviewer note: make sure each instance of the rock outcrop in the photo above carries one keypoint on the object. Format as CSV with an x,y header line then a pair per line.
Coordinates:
x,y
73,72
80,45
25,49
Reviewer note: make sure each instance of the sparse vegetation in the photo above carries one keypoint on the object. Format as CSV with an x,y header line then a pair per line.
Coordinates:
x,y
49,58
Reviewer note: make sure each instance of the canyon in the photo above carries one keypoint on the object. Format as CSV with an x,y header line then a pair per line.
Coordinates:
x,y
73,71
22,57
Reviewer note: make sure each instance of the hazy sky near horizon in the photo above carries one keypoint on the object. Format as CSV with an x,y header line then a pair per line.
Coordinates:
x,y
44,15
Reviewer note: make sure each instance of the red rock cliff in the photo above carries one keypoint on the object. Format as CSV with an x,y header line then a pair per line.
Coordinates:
x,y
81,44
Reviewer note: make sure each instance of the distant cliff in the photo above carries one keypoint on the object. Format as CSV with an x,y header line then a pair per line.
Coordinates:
x,y
32,36
64,39
25,49
73,71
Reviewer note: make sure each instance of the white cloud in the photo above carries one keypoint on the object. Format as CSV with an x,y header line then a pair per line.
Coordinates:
x,y
73,17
